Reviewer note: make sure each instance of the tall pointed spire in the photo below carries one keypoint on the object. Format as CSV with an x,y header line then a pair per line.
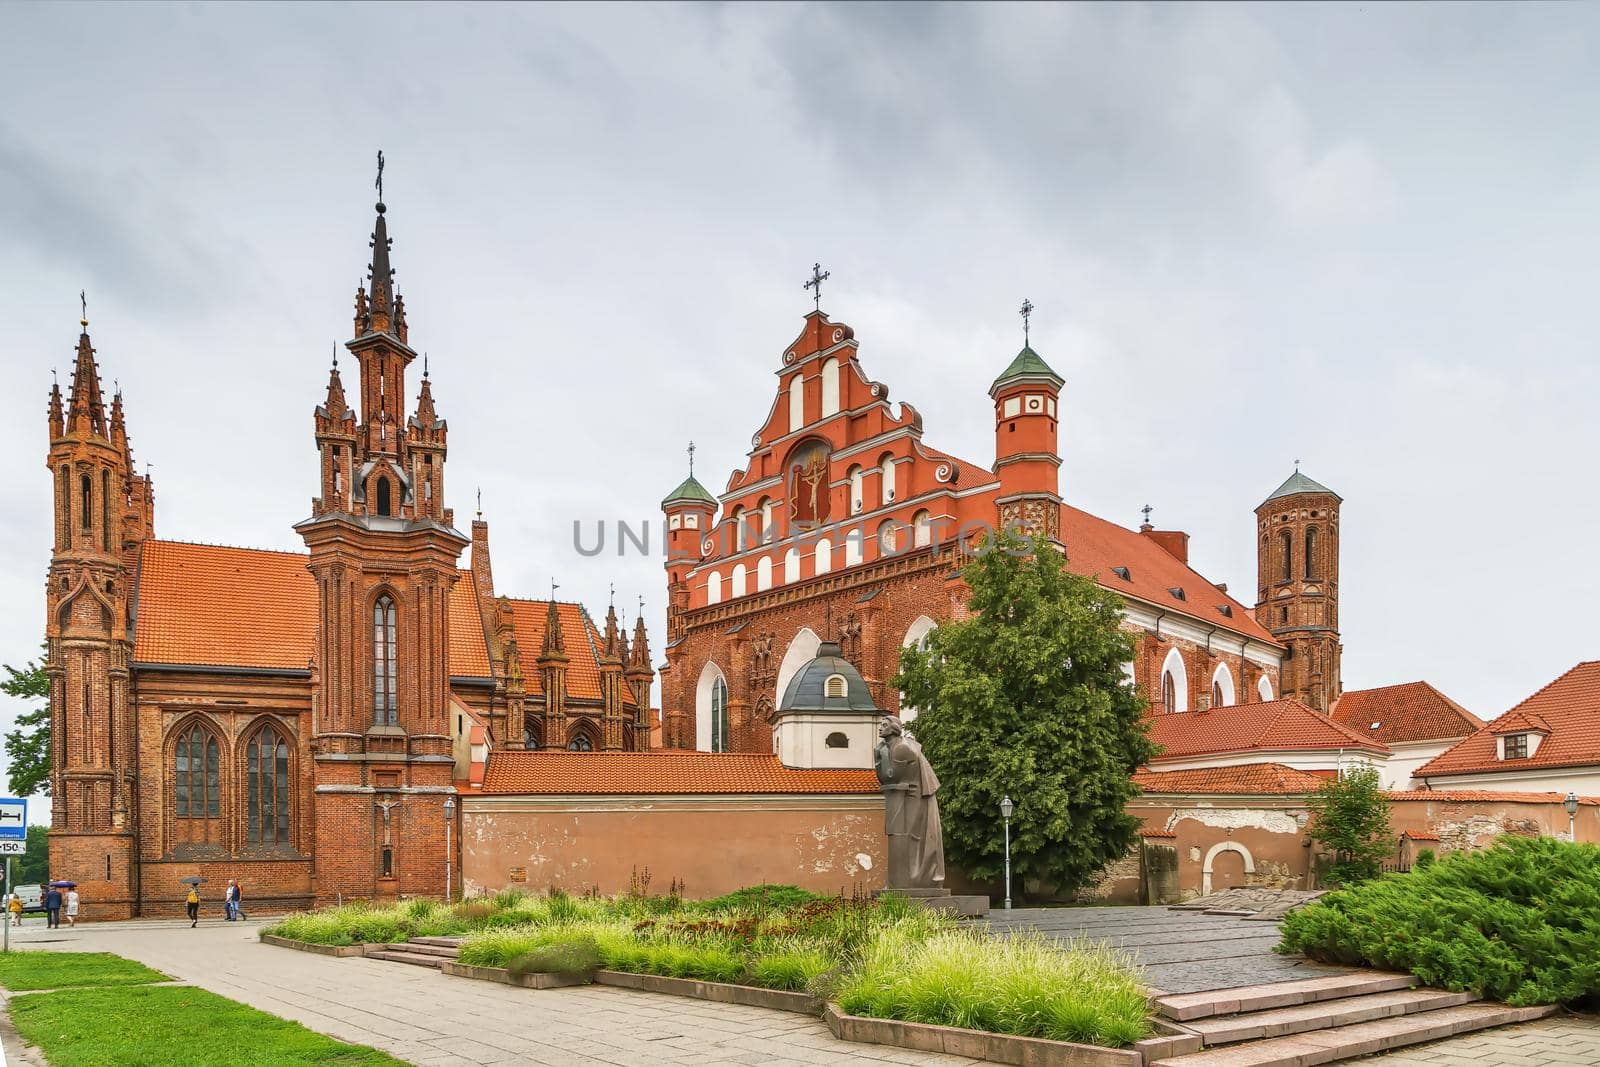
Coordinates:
x,y
612,650
641,643
426,416
554,644
85,411
57,418
119,431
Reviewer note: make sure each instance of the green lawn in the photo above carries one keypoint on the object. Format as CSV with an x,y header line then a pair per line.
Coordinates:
x,y
60,970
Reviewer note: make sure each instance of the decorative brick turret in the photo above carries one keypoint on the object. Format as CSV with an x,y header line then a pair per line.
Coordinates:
x,y
1298,586
1026,457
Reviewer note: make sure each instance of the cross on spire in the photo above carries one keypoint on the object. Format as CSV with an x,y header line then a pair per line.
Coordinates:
x,y
1297,466
1026,313
336,355
480,501
425,364
379,182
818,276
613,594
83,304
1147,509
641,606
691,459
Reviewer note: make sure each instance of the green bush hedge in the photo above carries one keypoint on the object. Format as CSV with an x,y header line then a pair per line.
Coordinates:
x,y
1519,922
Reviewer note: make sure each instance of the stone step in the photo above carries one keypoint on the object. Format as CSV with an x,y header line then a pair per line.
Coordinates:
x,y
442,942
1185,1006
425,948
418,959
1358,1039
1280,1022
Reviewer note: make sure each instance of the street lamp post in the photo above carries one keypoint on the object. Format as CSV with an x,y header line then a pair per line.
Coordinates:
x,y
1571,804
449,818
1006,808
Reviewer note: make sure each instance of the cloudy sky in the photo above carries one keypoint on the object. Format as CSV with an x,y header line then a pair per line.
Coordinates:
x,y
1364,237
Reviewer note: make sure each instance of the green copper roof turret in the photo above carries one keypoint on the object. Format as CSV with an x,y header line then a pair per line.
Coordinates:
x,y
690,492
1028,365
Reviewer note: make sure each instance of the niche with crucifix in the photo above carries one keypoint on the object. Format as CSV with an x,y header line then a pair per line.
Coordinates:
x,y
808,486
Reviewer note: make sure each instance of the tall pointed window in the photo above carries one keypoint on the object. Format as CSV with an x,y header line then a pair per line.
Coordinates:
x,y
580,743
1311,552
64,527
86,487
1169,694
196,774
830,387
105,511
266,789
383,662
797,402
1286,540
383,496
719,716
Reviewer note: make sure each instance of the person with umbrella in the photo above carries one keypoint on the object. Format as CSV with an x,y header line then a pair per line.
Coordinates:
x,y
72,904
193,902
52,906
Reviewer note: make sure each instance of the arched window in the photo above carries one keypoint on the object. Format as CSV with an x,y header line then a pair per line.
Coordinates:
x,y
741,532
1311,552
1286,540
1174,684
830,388
922,529
916,637
769,515
852,546
384,656
719,715
891,535
801,651
736,582
197,776
797,402
1222,693
764,574
383,495
64,527
266,788
857,492
87,489
886,479
791,565
714,588
1264,688
580,743
824,557
105,511
835,687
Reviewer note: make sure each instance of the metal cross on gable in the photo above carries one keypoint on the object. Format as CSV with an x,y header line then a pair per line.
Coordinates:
x,y
1147,509
818,276
1026,313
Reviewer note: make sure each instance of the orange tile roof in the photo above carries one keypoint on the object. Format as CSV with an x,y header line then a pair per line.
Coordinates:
x,y
1480,796
581,637
1157,833
220,606
469,650
1248,779
1095,546
1411,711
1419,835
1273,725
1568,706
637,773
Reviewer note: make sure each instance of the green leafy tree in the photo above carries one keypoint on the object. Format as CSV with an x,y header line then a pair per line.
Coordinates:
x,y
1027,698
27,746
33,866
1353,822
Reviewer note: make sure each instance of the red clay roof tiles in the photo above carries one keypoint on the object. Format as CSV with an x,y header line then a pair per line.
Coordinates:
x,y
1478,796
1248,779
663,772
219,606
1411,711
1275,725
1568,708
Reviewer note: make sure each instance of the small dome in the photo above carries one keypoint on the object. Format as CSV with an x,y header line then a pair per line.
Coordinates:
x,y
689,492
828,683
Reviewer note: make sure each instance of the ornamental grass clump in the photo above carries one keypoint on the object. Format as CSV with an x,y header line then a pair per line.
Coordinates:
x,y
795,970
351,924
570,957
1022,985
1519,922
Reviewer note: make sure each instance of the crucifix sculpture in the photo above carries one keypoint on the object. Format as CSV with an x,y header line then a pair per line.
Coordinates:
x,y
818,276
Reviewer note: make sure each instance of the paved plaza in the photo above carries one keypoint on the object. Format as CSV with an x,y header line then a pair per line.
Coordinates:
x,y
427,1018
1181,951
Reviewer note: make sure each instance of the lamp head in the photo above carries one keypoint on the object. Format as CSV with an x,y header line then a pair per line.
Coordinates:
x,y
1006,808
1571,803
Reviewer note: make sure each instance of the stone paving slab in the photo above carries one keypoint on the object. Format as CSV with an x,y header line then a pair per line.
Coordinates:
x,y
433,1020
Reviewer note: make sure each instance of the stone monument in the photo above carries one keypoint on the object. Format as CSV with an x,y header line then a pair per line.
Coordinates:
x,y
911,821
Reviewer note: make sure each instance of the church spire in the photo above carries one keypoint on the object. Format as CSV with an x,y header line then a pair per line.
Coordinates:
x,y
57,419
612,649
335,405
85,411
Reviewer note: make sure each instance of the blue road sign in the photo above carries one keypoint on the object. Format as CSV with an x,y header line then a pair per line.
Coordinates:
x,y
13,819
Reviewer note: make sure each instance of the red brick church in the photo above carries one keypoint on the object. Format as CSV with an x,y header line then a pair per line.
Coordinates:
x,y
298,720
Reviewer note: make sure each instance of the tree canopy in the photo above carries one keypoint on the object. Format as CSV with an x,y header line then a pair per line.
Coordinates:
x,y
1028,697
27,744
1353,822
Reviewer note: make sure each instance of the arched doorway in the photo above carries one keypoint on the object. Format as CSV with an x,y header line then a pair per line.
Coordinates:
x,y
1228,865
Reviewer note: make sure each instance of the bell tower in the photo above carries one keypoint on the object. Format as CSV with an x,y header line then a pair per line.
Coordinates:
x,y
383,552
1297,595
102,512
1026,454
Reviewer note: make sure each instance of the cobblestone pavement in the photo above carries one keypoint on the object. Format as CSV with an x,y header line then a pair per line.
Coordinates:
x,y
432,1020
1181,951
1559,1041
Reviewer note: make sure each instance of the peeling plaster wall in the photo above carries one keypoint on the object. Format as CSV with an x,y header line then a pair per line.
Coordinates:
x,y
711,844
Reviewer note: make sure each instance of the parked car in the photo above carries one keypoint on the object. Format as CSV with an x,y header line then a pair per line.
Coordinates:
x,y
32,898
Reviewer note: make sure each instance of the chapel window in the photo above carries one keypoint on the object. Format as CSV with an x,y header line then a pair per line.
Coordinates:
x,y
580,743
87,490
383,496
266,789
384,656
719,716
196,776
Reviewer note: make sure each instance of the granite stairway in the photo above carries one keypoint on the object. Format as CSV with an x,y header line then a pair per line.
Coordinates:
x,y
1323,1020
419,952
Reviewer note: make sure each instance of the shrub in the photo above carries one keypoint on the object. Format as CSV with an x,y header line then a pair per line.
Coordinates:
x,y
576,957
792,969
1514,923
762,899
1353,820
1425,859
1021,985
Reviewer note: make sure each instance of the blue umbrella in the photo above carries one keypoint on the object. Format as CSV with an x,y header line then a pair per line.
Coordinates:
x,y
63,885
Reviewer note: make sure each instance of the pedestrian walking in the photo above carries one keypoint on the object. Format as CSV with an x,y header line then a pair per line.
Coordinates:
x,y
52,908
194,906
72,906
230,901
14,907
